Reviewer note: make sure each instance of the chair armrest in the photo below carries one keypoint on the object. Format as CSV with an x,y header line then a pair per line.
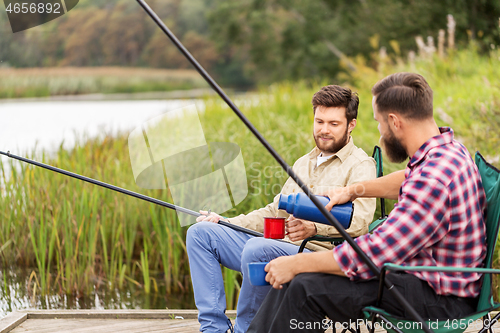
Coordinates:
x,y
322,238
319,238
375,224
394,267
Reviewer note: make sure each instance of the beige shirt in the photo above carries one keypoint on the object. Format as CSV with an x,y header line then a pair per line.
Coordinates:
x,y
348,166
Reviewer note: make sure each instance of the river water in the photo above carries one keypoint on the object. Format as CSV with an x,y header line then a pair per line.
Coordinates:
x,y
16,294
28,126
45,124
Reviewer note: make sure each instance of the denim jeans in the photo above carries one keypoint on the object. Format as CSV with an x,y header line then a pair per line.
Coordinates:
x,y
208,246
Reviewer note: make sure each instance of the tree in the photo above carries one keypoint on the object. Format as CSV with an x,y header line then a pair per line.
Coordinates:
x,y
287,39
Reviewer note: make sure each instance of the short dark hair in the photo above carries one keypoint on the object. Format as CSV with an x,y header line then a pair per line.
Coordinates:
x,y
337,96
406,93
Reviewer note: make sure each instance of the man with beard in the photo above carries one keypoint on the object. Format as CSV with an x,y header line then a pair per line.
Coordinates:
x,y
334,162
438,221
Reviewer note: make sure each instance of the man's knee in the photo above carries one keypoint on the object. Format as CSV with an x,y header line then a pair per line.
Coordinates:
x,y
198,232
256,249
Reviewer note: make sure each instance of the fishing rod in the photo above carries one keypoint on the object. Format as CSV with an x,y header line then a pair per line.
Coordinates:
x,y
127,192
330,218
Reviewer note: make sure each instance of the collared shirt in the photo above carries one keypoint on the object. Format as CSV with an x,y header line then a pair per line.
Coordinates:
x,y
348,166
438,221
322,159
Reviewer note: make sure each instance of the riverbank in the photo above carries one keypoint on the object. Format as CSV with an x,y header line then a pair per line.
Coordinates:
x,y
152,95
63,81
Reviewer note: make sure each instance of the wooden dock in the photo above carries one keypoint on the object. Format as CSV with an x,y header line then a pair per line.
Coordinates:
x,y
76,321
125,321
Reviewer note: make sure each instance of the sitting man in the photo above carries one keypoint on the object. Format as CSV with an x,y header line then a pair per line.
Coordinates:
x,y
334,162
438,221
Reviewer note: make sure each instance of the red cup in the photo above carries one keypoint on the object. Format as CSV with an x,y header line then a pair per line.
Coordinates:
x,y
274,227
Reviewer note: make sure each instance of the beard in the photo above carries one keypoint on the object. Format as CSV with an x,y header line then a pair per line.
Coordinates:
x,y
333,146
393,148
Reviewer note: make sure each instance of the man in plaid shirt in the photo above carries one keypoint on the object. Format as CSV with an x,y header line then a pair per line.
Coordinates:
x,y
438,221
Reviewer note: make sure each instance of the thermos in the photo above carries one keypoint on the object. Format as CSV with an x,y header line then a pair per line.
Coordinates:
x,y
300,206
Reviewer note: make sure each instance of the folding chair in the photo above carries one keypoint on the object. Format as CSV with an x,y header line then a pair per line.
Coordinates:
x,y
377,155
491,181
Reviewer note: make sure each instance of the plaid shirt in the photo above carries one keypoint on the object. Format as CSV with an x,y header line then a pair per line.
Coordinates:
x,y
438,221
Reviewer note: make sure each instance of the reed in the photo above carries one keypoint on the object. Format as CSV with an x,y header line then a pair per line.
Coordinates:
x,y
144,267
78,236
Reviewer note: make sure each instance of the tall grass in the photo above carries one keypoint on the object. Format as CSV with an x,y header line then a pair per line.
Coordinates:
x,y
78,236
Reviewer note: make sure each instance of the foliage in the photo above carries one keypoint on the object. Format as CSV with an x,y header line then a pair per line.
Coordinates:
x,y
289,39
115,33
243,42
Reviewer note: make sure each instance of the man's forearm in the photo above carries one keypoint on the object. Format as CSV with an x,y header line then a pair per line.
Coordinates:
x,y
283,269
317,262
383,187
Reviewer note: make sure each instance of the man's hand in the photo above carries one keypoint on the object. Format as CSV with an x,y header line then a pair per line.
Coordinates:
x,y
338,196
211,217
281,270
382,187
299,229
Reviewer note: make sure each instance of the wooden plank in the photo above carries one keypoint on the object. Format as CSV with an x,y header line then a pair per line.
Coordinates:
x,y
93,325
72,320
125,321
111,314
133,325
104,325
117,314
12,320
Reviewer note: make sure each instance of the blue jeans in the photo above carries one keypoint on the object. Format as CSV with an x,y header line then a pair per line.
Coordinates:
x,y
208,246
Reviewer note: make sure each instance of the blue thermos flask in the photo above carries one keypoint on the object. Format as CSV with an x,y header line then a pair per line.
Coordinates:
x,y
300,206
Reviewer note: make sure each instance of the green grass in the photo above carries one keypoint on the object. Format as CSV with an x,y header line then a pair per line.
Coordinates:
x,y
79,236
